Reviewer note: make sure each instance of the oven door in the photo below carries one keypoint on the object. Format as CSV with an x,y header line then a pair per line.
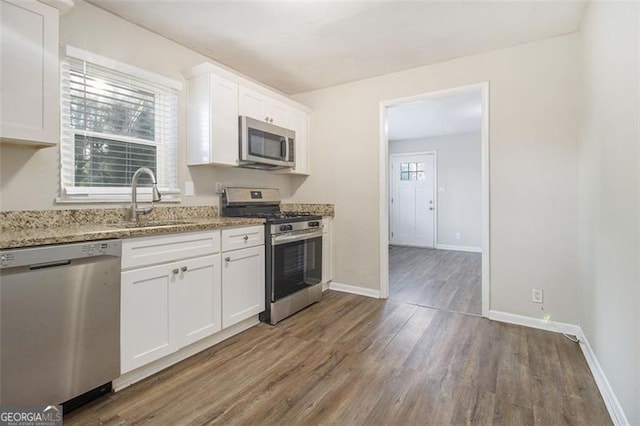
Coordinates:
x,y
296,262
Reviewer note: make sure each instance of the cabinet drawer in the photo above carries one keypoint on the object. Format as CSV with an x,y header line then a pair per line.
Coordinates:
x,y
145,251
239,238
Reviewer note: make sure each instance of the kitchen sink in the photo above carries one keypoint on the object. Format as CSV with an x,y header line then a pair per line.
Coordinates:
x,y
151,224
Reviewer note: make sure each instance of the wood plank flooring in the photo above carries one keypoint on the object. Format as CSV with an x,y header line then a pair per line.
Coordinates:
x,y
351,360
442,279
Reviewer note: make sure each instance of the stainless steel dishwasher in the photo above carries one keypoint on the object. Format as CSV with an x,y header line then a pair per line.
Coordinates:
x,y
59,321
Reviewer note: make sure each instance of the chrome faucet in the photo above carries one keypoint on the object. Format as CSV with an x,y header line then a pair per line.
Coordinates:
x,y
155,195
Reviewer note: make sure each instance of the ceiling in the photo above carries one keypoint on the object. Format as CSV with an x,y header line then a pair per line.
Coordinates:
x,y
451,114
303,45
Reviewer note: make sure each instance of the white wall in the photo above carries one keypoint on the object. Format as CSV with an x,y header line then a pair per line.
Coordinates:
x,y
35,172
459,174
534,171
609,195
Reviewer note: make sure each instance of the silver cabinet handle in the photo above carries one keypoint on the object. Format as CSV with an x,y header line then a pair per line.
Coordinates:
x,y
246,237
266,119
271,120
175,271
184,269
227,259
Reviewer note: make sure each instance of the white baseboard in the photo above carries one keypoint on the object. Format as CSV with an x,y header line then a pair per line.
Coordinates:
x,y
558,327
131,377
325,286
354,290
610,400
459,248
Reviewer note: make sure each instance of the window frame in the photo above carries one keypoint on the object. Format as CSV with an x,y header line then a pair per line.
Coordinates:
x,y
166,162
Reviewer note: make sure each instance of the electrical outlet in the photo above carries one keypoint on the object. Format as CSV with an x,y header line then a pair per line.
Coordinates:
x,y
537,295
218,187
458,235
188,189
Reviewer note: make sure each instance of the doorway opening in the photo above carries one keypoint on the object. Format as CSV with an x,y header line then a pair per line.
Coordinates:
x,y
434,199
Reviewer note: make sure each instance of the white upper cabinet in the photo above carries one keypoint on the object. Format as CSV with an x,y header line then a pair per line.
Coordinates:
x,y
217,97
29,73
300,124
262,107
212,120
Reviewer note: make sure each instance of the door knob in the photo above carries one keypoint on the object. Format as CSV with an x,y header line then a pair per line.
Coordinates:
x,y
430,208
175,271
184,269
246,237
227,259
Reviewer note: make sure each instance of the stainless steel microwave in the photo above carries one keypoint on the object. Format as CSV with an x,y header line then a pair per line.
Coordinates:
x,y
265,146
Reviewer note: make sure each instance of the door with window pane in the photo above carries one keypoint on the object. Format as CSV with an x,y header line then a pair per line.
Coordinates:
x,y
413,204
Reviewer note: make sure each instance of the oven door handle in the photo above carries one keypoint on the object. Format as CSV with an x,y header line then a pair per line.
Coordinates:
x,y
298,236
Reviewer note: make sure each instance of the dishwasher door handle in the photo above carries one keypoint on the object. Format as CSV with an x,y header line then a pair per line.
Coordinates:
x,y
49,264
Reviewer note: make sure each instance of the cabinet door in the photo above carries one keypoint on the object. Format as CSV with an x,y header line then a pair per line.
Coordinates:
x,y
195,300
251,104
145,333
300,123
263,108
212,121
326,251
224,118
242,284
278,113
29,74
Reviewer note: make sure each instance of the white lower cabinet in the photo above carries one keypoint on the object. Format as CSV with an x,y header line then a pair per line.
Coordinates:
x,y
242,284
196,300
144,316
166,307
327,250
176,290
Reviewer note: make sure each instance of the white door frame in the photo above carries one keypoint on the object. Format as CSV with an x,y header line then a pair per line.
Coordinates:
x,y
384,187
435,189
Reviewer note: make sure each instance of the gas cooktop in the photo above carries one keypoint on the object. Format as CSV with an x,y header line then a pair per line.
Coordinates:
x,y
259,203
280,217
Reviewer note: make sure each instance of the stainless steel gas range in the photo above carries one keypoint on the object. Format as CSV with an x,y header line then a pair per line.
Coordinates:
x,y
293,245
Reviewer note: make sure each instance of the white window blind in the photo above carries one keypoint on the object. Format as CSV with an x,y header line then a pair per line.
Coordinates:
x,y
112,123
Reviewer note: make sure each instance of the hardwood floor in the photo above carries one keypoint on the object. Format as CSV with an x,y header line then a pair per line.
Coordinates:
x,y
352,360
441,279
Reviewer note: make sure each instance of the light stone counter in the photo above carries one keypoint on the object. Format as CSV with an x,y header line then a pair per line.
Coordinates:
x,y
316,209
36,228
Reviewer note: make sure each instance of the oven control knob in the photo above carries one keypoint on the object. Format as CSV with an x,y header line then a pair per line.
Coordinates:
x,y
316,223
286,227
289,227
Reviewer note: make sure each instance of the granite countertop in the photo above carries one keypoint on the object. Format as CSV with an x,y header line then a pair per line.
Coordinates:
x,y
36,228
315,209
33,228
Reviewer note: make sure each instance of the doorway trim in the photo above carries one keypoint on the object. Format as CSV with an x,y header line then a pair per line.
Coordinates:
x,y
384,188
435,189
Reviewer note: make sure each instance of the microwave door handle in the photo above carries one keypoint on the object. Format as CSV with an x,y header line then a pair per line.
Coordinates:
x,y
286,148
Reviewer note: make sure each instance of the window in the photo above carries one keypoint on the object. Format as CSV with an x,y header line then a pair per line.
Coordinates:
x,y
412,171
115,118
